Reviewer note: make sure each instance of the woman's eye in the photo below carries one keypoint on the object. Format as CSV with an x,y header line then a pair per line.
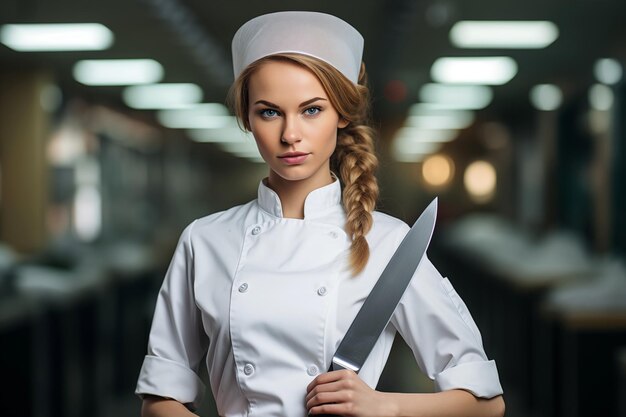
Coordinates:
x,y
269,113
312,111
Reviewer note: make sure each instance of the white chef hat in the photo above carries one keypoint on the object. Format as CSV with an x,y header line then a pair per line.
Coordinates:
x,y
316,34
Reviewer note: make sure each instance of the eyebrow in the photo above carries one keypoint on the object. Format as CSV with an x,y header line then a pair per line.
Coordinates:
x,y
304,103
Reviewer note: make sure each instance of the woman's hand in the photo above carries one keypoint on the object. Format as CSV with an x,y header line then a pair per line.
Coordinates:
x,y
344,393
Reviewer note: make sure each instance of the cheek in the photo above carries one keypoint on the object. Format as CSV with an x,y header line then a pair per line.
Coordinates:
x,y
264,139
330,135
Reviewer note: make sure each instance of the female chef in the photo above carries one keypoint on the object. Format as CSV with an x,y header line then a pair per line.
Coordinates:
x,y
267,290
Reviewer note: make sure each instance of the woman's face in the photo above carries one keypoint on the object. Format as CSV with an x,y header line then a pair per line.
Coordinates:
x,y
293,122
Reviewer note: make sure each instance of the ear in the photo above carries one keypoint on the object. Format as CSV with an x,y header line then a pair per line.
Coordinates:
x,y
342,123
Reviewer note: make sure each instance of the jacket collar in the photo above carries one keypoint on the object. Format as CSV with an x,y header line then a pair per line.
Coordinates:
x,y
316,203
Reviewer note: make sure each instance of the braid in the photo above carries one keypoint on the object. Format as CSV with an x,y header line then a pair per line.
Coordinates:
x,y
357,164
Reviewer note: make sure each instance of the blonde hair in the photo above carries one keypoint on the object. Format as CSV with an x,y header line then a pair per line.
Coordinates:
x,y
354,157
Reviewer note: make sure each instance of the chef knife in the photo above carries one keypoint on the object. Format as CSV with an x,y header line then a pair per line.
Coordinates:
x,y
380,304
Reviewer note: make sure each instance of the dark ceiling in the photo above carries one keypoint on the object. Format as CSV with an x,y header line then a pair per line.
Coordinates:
x,y
191,38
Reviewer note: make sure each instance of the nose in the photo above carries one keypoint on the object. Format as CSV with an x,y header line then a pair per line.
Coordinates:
x,y
291,133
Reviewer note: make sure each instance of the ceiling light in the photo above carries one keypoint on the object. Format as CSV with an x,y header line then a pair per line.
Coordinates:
x,y
117,71
162,96
406,150
503,34
601,97
445,96
200,116
495,70
445,119
608,71
546,97
416,134
56,37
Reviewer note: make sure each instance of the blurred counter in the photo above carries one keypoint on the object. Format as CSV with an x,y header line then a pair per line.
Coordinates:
x,y
74,325
551,315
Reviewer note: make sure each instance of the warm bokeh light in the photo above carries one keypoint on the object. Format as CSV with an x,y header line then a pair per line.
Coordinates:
x,y
65,146
480,180
438,170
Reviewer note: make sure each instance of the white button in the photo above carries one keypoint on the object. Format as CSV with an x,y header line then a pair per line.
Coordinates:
x,y
334,234
312,370
322,291
248,369
243,287
256,230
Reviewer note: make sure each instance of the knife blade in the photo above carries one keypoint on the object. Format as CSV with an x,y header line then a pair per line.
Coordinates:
x,y
380,304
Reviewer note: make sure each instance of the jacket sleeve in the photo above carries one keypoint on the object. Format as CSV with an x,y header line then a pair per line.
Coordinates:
x,y
177,340
436,324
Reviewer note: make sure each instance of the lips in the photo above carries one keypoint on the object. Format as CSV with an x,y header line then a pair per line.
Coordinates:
x,y
294,158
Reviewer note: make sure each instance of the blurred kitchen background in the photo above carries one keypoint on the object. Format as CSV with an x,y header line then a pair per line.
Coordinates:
x,y
114,136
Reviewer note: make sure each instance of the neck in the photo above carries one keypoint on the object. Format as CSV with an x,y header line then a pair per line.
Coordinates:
x,y
293,194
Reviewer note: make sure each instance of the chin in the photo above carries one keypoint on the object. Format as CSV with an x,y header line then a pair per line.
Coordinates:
x,y
294,173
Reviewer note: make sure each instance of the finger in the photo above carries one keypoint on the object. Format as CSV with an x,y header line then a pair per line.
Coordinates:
x,y
331,409
334,386
330,377
332,397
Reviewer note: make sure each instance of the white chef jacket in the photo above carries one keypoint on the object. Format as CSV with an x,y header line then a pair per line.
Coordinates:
x,y
268,299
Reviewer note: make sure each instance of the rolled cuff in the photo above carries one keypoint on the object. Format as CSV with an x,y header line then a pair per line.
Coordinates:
x,y
479,378
169,379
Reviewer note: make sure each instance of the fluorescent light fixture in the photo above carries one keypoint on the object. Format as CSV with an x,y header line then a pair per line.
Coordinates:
x,y
162,96
445,119
416,134
117,71
546,97
608,71
601,97
56,37
446,96
200,116
503,34
495,70
404,148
